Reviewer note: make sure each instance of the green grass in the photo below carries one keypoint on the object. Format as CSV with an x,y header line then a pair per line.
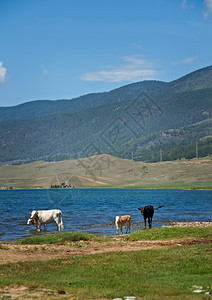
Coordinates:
x,y
160,233
3,247
167,273
167,233
152,274
175,185
59,238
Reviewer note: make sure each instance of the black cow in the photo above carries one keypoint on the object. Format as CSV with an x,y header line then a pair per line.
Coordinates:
x,y
148,212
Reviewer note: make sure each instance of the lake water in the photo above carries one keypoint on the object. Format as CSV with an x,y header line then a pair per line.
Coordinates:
x,y
93,210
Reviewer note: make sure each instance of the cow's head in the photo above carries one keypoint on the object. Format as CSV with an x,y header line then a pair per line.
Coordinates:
x,y
31,222
141,209
34,217
116,219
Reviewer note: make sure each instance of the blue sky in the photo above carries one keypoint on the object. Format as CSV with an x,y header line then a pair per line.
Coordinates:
x,y
61,49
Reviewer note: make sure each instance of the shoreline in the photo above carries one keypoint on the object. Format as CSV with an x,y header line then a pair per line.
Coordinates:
x,y
170,225
104,187
190,224
14,251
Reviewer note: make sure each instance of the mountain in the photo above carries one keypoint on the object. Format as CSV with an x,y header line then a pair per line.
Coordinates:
x,y
196,80
141,120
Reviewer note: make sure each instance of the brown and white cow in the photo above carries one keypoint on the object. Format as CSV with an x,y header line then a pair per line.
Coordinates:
x,y
44,217
122,221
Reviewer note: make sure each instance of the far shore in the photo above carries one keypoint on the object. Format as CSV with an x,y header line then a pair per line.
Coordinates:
x,y
106,187
116,173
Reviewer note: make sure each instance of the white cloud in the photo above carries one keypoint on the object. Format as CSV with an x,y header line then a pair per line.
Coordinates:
x,y
186,60
137,45
45,72
185,4
135,68
3,72
208,8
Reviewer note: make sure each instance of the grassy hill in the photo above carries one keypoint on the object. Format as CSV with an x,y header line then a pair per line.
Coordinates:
x,y
109,171
135,120
200,79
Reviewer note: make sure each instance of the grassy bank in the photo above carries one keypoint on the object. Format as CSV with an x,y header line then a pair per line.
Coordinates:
x,y
59,239
172,233
165,273
154,274
160,233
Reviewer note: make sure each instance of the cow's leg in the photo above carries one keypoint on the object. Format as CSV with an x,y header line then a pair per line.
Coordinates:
x,y
61,223
117,229
57,223
38,226
128,227
58,228
145,223
150,222
45,226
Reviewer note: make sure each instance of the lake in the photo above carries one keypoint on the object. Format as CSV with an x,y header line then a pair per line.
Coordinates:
x,y
93,210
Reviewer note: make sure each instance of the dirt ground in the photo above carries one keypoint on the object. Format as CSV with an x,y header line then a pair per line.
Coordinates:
x,y
12,253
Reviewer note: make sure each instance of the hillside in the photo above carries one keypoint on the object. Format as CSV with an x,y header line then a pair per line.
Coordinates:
x,y
138,120
200,79
108,171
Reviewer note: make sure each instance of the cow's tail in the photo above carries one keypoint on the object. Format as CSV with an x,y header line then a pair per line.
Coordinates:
x,y
61,222
159,207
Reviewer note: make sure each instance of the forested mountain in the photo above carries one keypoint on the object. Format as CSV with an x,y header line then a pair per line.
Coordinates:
x,y
138,120
197,80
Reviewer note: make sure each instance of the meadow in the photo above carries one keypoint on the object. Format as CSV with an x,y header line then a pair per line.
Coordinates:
x,y
177,265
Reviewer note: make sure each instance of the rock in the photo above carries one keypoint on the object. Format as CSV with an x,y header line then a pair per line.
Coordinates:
x,y
197,287
197,291
61,292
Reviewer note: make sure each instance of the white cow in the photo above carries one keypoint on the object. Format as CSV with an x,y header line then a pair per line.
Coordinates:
x,y
121,221
44,217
